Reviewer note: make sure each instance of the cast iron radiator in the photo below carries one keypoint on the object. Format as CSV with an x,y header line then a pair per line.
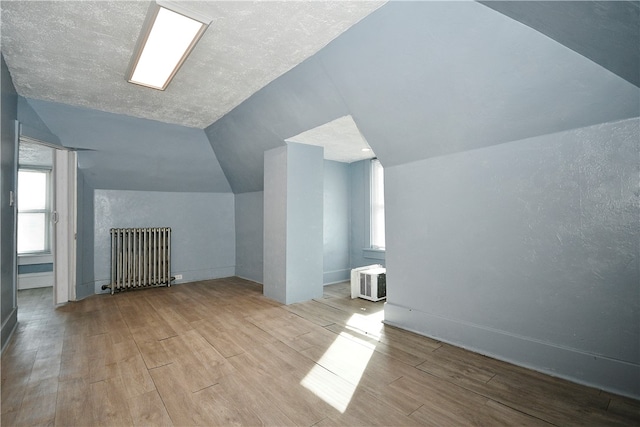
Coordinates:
x,y
140,257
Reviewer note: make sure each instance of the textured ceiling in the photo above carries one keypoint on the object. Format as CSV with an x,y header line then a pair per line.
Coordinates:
x,y
341,139
77,53
32,154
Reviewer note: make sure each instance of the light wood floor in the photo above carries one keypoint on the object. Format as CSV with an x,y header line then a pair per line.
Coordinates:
x,y
219,353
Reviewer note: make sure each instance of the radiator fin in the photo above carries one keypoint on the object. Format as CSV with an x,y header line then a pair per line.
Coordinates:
x,y
140,257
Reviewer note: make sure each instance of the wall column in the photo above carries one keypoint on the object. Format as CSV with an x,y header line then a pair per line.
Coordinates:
x,y
293,223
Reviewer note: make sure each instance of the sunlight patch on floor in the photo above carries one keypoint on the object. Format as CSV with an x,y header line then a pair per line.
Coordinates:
x,y
367,324
335,377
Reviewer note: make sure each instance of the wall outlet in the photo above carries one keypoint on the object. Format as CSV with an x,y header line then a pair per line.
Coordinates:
x,y
178,276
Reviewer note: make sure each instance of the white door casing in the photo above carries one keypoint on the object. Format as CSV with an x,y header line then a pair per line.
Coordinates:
x,y
64,226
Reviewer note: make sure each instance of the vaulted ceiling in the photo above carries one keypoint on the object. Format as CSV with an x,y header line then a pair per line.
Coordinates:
x,y
77,53
418,79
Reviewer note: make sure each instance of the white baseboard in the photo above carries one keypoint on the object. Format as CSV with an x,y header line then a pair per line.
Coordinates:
x,y
590,369
249,279
35,280
336,276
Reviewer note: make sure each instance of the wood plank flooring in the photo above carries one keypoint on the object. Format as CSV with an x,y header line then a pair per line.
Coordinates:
x,y
219,353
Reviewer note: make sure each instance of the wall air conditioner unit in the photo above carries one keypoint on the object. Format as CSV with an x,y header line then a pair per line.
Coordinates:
x,y
373,284
355,278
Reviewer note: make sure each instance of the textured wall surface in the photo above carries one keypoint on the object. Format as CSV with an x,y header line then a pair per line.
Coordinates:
x,y
336,231
9,112
528,251
249,211
202,230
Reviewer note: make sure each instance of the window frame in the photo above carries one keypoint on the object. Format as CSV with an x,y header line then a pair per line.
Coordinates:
x,y
47,211
375,200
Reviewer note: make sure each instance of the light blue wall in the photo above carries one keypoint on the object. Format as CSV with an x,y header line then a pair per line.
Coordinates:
x,y
527,251
336,230
9,110
293,223
304,222
289,105
426,79
605,32
337,221
275,224
202,224
32,125
249,212
85,274
120,152
176,164
35,268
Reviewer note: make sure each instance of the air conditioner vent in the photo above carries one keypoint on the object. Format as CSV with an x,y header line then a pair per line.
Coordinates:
x,y
373,284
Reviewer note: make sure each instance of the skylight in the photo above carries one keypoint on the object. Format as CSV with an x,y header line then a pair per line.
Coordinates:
x,y
165,42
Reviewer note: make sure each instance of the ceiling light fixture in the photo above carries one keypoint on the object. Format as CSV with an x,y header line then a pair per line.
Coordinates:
x,y
169,34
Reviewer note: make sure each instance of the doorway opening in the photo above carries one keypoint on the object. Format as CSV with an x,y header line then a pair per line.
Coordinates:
x,y
46,218
35,208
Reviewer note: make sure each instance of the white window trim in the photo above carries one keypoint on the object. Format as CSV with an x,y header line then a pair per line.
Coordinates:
x,y
47,210
373,185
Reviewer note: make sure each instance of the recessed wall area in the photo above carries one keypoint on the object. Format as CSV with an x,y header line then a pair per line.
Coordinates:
x,y
202,230
340,138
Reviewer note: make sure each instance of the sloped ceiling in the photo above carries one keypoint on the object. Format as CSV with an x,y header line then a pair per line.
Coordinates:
x,y
77,53
68,61
425,79
419,79
341,139
119,152
606,32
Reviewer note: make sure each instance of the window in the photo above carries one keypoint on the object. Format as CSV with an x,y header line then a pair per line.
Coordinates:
x,y
33,210
377,205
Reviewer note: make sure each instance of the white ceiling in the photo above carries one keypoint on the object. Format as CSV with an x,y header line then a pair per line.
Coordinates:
x,y
77,53
341,139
